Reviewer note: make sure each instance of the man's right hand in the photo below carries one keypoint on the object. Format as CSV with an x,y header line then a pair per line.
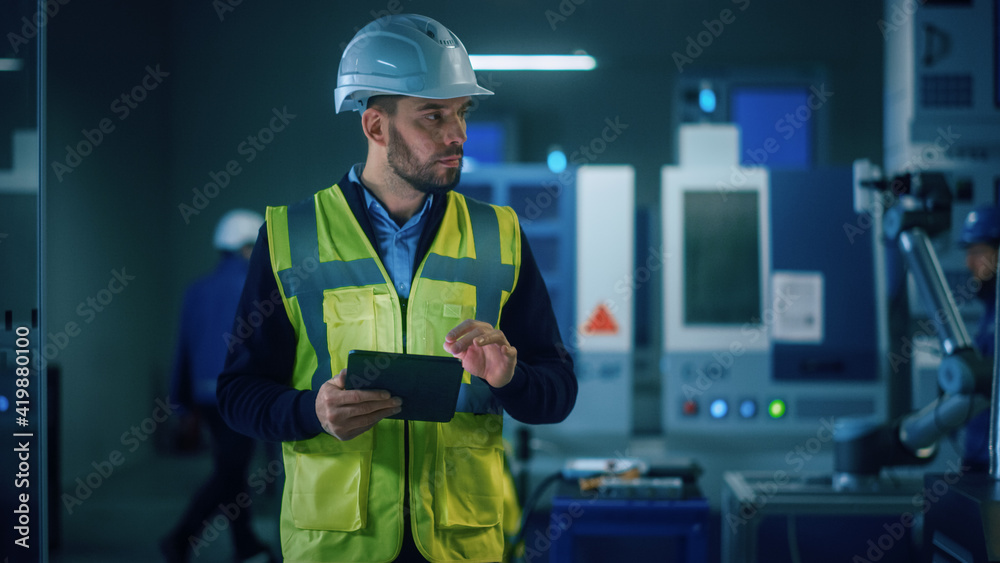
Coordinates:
x,y
346,414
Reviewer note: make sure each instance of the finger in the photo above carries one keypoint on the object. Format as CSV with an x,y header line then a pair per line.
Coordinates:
x,y
355,414
510,351
364,396
358,395
360,425
491,337
362,421
460,329
365,408
466,339
382,413
338,380
333,392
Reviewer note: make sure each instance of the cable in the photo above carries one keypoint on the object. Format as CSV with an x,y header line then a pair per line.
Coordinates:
x,y
530,502
793,540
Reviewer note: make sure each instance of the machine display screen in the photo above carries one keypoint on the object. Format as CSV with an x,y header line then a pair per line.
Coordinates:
x,y
486,142
776,126
721,258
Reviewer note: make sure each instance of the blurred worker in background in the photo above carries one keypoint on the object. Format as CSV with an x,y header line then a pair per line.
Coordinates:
x,y
206,318
981,238
392,259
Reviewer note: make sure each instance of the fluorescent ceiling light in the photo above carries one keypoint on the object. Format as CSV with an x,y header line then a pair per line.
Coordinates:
x,y
11,64
533,62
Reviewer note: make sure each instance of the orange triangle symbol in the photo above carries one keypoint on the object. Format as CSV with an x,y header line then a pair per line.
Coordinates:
x,y
601,322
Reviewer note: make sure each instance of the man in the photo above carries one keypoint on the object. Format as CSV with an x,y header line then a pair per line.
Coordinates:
x,y
391,259
206,317
981,237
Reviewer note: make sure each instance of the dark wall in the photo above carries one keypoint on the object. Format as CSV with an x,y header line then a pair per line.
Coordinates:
x,y
139,201
108,252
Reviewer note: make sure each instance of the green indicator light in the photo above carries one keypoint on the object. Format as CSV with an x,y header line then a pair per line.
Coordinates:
x,y
776,409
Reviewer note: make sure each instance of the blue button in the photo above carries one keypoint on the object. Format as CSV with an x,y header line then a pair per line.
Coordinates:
x,y
718,408
748,408
4,403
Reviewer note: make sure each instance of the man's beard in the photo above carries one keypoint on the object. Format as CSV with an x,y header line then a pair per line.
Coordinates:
x,y
422,176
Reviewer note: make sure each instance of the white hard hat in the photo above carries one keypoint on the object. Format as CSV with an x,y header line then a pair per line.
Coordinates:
x,y
236,229
407,55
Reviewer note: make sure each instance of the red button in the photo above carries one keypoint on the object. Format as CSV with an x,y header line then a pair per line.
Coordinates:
x,y
690,408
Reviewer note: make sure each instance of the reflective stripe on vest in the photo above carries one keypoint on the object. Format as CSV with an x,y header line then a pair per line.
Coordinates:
x,y
485,271
303,235
490,276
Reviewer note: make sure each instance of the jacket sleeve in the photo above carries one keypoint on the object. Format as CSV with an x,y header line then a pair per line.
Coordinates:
x,y
180,378
544,386
255,390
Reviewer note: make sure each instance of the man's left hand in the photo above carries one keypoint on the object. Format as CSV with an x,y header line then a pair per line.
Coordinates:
x,y
484,351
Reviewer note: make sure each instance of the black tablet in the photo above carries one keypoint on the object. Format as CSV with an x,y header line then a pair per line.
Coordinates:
x,y
428,385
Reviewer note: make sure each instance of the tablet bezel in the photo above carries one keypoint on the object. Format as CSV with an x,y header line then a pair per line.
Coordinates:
x,y
428,385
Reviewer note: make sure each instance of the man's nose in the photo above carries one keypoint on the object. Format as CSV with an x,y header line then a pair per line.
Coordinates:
x,y
454,132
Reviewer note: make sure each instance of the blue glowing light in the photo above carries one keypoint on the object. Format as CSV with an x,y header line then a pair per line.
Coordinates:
x,y
557,161
706,100
4,404
748,408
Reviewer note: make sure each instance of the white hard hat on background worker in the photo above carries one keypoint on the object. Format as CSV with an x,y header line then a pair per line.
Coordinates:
x,y
408,55
236,229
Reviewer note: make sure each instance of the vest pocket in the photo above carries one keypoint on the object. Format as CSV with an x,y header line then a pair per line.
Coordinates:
x,y
473,487
349,314
436,319
471,473
330,487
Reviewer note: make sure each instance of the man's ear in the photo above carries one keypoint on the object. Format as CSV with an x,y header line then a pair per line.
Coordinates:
x,y
375,124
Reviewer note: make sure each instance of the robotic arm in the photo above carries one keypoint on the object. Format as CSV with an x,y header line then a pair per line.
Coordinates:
x,y
964,376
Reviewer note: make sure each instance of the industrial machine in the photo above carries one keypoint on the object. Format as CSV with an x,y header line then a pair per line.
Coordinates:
x,y
870,487
942,111
580,225
764,335
942,106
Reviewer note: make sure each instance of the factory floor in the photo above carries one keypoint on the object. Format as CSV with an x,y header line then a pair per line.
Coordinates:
x,y
124,519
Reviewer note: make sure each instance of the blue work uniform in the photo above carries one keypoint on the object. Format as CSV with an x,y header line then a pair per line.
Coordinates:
x,y
207,316
206,321
977,431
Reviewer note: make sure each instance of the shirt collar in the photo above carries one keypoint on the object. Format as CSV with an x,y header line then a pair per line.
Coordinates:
x,y
375,207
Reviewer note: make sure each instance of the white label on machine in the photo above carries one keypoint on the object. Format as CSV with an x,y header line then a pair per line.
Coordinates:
x,y
606,276
797,303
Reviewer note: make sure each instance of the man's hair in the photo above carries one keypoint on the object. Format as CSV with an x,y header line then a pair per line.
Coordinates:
x,y
385,102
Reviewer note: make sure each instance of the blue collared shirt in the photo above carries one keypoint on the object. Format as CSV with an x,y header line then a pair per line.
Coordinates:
x,y
396,245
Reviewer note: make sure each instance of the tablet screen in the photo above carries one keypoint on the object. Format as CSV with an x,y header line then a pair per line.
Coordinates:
x,y
428,385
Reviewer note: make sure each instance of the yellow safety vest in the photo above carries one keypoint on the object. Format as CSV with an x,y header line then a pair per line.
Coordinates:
x,y
343,501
